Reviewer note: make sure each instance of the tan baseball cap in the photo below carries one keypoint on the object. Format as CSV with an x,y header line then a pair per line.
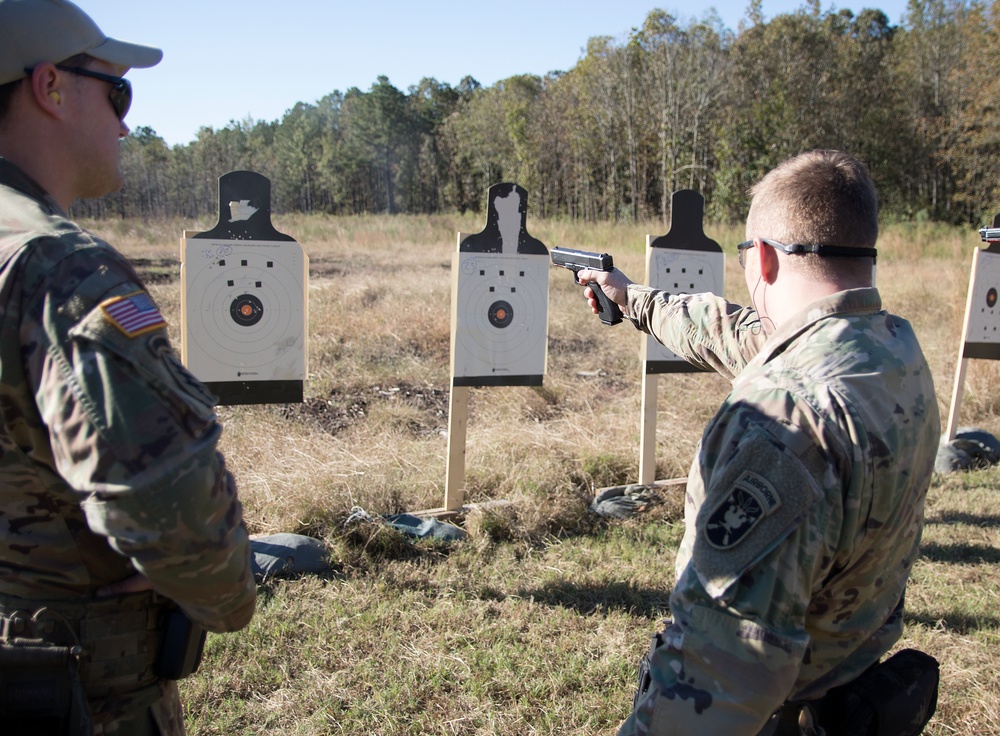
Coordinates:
x,y
35,31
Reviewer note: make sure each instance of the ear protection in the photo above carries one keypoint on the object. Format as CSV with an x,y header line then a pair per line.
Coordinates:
x,y
54,96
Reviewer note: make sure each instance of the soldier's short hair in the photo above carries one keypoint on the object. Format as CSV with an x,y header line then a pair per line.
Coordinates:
x,y
818,197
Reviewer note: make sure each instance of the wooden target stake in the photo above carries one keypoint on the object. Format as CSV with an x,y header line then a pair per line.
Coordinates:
x,y
686,261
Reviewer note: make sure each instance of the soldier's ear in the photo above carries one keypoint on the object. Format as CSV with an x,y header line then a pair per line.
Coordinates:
x,y
46,84
768,261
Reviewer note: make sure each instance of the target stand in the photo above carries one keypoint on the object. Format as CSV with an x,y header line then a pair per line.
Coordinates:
x,y
244,311
684,261
499,318
981,328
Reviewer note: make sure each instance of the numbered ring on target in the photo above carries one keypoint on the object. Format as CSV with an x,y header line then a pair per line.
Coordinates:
x,y
246,310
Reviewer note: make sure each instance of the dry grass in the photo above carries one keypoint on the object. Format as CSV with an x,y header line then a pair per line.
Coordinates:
x,y
534,625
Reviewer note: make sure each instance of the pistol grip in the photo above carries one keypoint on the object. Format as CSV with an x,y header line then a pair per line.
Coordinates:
x,y
607,310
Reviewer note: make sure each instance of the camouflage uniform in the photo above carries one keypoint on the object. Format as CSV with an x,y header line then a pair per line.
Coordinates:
x,y
804,507
108,464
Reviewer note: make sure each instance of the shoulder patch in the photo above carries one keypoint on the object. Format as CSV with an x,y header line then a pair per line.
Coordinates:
x,y
751,499
755,496
134,314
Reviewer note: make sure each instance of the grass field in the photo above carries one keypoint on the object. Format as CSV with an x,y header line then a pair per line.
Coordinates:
x,y
535,623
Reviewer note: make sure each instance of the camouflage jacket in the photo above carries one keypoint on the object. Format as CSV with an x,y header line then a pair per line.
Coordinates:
x,y
108,461
804,506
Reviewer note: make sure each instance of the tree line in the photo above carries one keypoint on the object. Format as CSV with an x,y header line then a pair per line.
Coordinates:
x,y
671,105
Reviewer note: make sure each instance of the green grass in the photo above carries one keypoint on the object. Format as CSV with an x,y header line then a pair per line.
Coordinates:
x,y
535,623
491,638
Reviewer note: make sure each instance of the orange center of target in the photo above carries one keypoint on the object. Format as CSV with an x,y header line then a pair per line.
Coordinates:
x,y
501,314
246,310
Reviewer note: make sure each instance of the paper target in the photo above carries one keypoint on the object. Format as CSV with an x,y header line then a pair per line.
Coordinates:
x,y
500,319
982,338
245,311
684,261
682,272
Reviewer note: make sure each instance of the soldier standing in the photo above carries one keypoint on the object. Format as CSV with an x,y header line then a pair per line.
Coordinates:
x,y
805,499
121,533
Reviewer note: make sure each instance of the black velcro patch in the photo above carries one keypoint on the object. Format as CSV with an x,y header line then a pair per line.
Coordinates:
x,y
751,499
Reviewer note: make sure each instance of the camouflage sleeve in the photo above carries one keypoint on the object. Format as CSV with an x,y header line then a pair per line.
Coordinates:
x,y
704,329
761,541
135,434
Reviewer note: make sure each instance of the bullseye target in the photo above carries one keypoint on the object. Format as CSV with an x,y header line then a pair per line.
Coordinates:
x,y
245,310
982,337
501,314
500,317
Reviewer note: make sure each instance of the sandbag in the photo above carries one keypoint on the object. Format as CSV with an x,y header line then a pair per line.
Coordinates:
x,y
285,554
971,449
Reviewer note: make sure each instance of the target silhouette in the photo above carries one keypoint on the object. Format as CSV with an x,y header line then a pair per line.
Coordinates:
x,y
684,261
500,298
243,300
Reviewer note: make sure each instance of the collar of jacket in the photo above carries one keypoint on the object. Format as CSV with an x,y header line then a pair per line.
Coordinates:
x,y
842,304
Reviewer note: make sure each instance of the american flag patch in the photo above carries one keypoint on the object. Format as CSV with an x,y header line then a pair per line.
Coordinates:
x,y
133,314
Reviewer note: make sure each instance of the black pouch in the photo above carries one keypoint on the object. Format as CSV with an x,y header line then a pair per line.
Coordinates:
x,y
645,678
40,690
895,698
182,642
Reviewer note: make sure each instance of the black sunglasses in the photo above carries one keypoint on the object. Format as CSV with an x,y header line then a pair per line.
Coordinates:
x,y
823,250
121,88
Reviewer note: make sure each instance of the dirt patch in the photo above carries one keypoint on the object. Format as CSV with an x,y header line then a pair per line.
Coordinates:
x,y
342,408
157,270
332,413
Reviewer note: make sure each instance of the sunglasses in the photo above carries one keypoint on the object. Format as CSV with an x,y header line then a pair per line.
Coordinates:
x,y
121,89
823,250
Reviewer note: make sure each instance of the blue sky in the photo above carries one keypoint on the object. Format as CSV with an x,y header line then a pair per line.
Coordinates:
x,y
235,59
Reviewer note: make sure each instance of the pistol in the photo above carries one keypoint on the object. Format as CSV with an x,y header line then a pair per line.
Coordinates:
x,y
990,234
576,261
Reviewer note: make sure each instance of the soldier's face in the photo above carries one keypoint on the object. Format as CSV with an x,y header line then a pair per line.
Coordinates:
x,y
99,131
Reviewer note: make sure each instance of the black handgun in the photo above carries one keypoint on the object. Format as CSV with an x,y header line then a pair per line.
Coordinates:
x,y
576,261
